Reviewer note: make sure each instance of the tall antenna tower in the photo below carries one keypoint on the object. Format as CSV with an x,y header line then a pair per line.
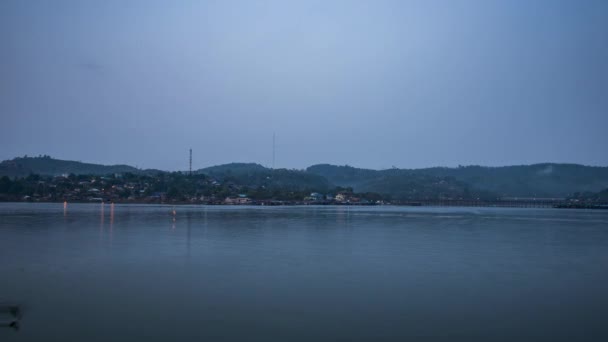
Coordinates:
x,y
190,162
273,149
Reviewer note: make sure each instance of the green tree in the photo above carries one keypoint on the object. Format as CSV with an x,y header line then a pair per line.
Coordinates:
x,y
5,184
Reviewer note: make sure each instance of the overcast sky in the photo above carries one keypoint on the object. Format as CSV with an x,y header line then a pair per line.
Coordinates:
x,y
365,83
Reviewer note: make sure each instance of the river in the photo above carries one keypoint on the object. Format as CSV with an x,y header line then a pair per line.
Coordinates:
x,y
101,272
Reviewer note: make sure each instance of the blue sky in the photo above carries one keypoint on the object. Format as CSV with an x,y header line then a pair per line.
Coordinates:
x,y
366,83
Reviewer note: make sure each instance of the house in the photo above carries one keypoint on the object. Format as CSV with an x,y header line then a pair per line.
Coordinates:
x,y
342,197
315,196
237,200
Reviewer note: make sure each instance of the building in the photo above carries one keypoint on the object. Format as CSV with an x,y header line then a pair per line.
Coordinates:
x,y
240,200
315,196
342,197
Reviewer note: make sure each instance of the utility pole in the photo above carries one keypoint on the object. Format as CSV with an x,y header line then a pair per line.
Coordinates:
x,y
190,162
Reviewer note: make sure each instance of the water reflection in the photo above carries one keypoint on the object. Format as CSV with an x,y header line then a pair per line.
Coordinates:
x,y
173,212
101,219
343,215
188,223
111,220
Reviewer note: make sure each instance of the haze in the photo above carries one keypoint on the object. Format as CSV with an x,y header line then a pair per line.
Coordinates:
x,y
366,83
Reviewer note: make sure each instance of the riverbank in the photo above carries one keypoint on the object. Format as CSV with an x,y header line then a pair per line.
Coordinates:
x,y
422,203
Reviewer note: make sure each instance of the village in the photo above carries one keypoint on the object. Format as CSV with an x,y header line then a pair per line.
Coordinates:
x,y
169,188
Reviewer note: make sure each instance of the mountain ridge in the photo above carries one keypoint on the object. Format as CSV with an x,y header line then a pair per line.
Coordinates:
x,y
534,180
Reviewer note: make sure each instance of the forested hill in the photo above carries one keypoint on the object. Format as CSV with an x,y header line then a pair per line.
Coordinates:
x,y
538,180
45,165
257,176
398,187
232,168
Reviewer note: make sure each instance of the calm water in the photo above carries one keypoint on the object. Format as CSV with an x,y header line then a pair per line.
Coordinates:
x,y
130,272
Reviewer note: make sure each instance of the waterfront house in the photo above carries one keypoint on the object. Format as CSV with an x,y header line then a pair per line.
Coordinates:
x,y
237,200
342,197
315,196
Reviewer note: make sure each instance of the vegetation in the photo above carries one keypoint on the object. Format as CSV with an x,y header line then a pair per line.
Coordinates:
x,y
45,165
259,182
539,180
280,185
600,197
256,176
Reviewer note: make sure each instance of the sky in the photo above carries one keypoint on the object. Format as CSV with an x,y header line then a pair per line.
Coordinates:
x,y
373,84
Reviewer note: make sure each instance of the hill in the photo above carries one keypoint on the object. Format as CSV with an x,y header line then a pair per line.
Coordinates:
x,y
232,168
257,176
538,180
400,184
467,182
45,165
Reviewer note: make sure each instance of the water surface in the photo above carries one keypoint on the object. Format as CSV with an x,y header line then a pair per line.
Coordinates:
x,y
93,272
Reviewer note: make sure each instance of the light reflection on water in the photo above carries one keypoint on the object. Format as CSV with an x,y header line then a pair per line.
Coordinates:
x,y
303,273
111,220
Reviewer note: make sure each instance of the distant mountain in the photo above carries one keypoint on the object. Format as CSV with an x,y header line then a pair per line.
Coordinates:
x,y
346,176
397,185
232,168
468,182
400,184
422,187
45,165
258,176
538,180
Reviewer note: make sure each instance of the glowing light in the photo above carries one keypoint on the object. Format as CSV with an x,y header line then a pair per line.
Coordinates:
x,y
102,214
111,219
173,212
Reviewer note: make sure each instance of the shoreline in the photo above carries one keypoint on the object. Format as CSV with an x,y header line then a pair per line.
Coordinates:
x,y
425,203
